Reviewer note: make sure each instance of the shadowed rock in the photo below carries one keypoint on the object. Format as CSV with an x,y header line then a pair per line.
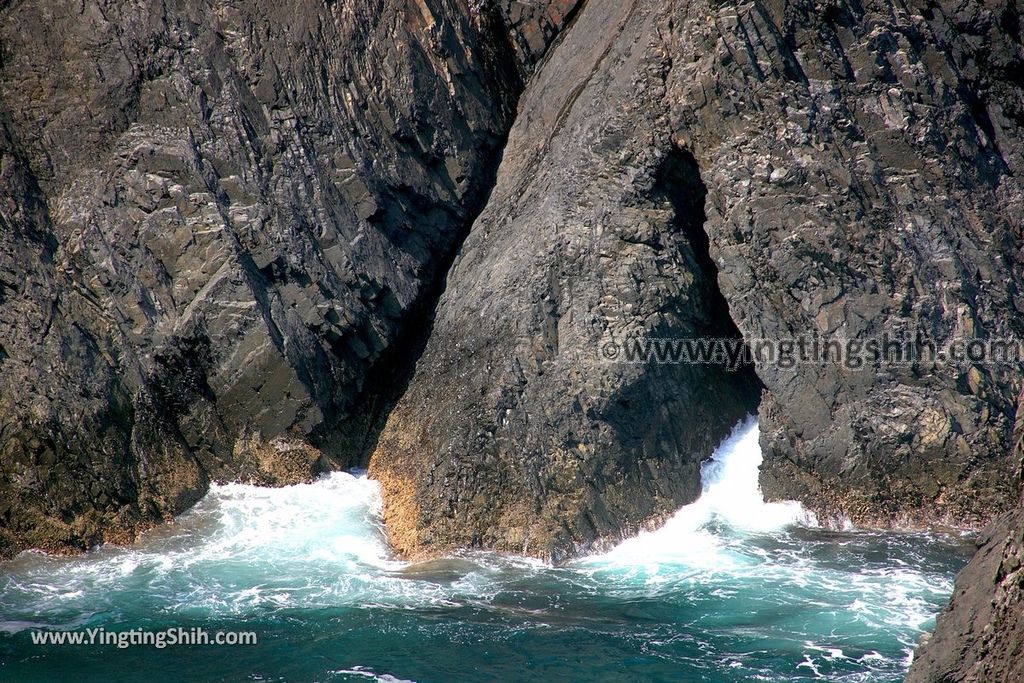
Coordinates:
x,y
979,637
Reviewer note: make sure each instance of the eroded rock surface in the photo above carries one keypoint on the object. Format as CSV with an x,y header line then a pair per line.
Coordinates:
x,y
225,226
861,167
884,198
515,433
979,638
216,219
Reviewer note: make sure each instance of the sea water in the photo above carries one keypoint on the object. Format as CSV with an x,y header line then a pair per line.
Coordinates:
x,y
729,589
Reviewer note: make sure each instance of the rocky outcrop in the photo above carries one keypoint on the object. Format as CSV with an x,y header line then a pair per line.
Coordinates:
x,y
909,222
979,638
225,227
687,169
217,219
515,432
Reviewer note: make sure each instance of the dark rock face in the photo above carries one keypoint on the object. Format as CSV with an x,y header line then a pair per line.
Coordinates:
x,y
515,433
980,636
861,165
898,209
224,227
215,219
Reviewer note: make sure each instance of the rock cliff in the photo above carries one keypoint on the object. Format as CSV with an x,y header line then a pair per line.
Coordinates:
x,y
770,170
229,229
515,432
979,637
217,219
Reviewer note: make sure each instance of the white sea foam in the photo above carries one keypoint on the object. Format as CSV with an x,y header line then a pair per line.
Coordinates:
x,y
366,672
241,548
730,495
244,551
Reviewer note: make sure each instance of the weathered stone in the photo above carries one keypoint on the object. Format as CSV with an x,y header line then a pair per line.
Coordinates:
x,y
216,220
979,637
856,186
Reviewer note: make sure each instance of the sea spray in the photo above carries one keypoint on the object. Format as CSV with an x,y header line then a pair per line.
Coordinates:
x,y
730,589
730,494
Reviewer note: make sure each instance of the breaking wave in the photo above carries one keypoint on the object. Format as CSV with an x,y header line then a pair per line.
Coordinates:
x,y
730,588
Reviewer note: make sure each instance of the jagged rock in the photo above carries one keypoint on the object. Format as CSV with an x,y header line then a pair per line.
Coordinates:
x,y
861,165
216,220
878,191
979,637
515,432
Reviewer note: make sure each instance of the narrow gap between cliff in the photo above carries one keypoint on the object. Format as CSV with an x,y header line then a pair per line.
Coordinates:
x,y
680,181
389,377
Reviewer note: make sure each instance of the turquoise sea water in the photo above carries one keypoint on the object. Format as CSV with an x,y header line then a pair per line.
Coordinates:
x,y
731,589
